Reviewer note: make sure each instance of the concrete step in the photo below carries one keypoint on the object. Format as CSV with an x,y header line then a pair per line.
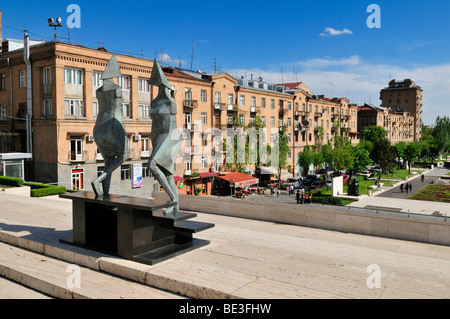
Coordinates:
x,y
62,280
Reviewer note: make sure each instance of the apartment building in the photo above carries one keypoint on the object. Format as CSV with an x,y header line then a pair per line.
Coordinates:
x,y
55,90
48,107
405,96
399,126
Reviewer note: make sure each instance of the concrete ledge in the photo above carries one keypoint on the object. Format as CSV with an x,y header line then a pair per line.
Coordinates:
x,y
388,224
18,191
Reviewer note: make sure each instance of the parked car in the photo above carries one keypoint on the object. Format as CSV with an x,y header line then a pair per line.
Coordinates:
x,y
310,179
296,182
317,185
345,178
365,173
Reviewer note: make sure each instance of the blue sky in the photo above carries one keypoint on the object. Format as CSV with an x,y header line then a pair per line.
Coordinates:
x,y
280,41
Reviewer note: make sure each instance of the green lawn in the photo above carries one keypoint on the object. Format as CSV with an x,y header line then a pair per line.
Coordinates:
x,y
434,193
400,174
364,185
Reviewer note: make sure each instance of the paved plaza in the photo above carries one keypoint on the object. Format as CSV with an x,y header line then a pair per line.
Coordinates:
x,y
246,259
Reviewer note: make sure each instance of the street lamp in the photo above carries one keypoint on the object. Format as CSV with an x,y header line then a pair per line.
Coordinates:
x,y
51,23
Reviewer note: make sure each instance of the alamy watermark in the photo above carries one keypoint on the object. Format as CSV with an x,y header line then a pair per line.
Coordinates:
x,y
374,279
74,19
374,19
73,281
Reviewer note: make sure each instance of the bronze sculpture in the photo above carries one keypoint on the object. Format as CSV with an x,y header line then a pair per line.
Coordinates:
x,y
109,131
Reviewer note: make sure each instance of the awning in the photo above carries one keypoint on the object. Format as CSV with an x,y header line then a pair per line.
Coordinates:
x,y
239,179
265,170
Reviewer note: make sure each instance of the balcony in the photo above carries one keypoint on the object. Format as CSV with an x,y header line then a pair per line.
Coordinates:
x,y
318,114
191,104
220,106
191,127
78,156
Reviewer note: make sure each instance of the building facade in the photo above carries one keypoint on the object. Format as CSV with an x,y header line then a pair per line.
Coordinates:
x,y
404,97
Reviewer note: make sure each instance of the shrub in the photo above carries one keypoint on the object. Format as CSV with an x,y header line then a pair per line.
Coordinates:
x,y
41,190
11,181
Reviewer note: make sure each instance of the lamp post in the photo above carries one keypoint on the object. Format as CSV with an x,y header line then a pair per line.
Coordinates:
x,y
51,23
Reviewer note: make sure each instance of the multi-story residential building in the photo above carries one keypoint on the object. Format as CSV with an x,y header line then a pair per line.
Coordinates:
x,y
405,96
399,126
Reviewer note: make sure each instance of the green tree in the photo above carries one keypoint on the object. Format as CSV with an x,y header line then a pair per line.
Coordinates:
x,y
441,134
327,153
400,149
384,154
373,133
361,160
342,155
305,159
412,151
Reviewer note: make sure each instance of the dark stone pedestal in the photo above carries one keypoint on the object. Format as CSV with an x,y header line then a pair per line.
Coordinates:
x,y
133,228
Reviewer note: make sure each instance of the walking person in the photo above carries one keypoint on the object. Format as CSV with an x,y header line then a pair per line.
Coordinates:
x,y
410,187
278,193
422,178
298,196
406,188
401,188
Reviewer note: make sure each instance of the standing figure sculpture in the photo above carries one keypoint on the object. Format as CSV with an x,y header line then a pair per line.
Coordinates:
x,y
109,131
164,137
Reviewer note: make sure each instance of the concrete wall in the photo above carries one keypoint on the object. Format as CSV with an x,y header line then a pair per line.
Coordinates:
x,y
420,228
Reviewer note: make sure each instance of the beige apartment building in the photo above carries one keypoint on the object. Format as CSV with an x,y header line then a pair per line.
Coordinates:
x,y
404,97
62,106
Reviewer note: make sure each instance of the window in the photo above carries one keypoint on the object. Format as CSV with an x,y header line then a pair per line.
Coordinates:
x,y
204,162
125,172
124,82
272,103
78,179
242,100
188,95
47,107
3,82
263,121
144,111
3,113
73,107
252,119
23,79
203,96
188,166
126,110
253,101
272,121
217,99
144,85
289,106
97,79
289,122
145,171
76,149
95,108
242,119
263,102
145,146
73,76
47,76
204,118
230,99
100,170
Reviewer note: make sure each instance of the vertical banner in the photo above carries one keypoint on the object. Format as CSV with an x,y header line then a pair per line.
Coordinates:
x,y
137,175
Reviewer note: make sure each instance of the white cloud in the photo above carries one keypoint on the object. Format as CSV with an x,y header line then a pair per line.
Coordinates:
x,y
333,32
165,59
362,81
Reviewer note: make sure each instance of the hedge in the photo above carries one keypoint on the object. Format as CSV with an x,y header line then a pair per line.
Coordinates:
x,y
41,190
11,181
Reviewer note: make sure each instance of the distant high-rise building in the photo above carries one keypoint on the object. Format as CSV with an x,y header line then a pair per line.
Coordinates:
x,y
404,96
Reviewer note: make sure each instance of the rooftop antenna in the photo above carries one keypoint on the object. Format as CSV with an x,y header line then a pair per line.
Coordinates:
x,y
331,84
179,61
215,65
192,56
282,80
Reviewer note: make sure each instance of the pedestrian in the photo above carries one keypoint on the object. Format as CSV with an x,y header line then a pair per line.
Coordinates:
x,y
310,197
410,187
278,193
401,188
298,196
422,178
406,188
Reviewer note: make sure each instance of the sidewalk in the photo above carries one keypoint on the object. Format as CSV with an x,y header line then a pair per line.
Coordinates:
x,y
392,197
246,259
